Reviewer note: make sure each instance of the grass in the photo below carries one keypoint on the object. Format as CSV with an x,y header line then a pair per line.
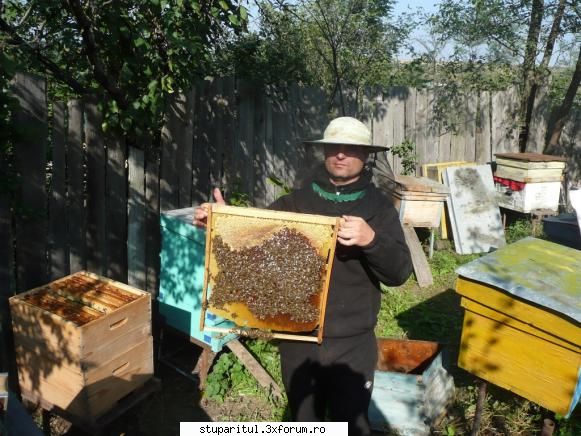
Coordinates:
x,y
432,313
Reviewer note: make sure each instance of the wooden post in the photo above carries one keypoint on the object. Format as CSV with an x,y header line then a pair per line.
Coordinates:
x,y
479,407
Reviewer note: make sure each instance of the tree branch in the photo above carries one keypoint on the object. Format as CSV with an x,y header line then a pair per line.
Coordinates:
x,y
55,70
555,29
99,69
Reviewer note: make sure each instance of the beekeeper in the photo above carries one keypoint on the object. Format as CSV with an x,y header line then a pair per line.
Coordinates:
x,y
334,380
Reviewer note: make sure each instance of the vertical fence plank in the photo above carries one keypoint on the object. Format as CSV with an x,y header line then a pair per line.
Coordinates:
x,y
152,205
201,178
169,186
421,131
96,189
463,138
388,131
505,125
58,219
116,201
261,150
432,133
185,147
216,134
269,147
136,236
30,122
244,150
469,127
285,152
398,96
482,140
444,143
379,125
226,116
6,266
309,122
410,108
76,167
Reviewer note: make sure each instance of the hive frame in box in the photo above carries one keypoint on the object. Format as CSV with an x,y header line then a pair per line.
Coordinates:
x,y
290,217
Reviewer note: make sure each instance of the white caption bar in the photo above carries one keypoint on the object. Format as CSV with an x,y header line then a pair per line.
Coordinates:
x,y
263,428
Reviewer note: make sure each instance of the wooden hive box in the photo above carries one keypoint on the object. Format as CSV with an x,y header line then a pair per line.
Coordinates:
x,y
530,167
411,389
82,343
522,318
420,200
251,233
528,197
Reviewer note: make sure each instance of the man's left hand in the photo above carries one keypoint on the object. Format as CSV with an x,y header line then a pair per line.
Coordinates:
x,y
354,230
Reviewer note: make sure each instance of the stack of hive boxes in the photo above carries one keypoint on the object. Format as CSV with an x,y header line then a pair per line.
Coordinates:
x,y
82,343
528,181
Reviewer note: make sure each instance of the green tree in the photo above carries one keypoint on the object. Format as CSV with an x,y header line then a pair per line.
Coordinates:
x,y
132,53
522,31
336,44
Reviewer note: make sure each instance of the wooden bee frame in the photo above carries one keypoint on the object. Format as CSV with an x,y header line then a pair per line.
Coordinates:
x,y
248,227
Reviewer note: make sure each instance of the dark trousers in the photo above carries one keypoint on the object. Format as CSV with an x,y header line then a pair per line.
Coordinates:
x,y
333,380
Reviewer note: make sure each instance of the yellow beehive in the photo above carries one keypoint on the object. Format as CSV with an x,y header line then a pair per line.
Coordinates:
x,y
244,228
82,343
521,326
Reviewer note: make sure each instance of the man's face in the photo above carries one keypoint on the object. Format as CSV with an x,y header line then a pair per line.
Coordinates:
x,y
344,163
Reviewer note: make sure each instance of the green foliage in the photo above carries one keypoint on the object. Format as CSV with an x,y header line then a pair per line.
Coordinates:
x,y
569,427
271,55
518,230
406,151
237,197
284,189
129,55
230,377
445,262
328,43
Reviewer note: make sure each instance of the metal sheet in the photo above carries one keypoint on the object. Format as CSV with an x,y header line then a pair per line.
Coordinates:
x,y
535,270
474,211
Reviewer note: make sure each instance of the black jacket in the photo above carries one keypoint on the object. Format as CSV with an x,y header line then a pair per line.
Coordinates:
x,y
354,294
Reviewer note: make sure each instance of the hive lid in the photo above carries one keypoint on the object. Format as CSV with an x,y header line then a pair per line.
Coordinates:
x,y
531,157
535,270
180,222
419,184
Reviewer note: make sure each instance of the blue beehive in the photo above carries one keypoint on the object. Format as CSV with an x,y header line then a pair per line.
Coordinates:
x,y
411,389
182,278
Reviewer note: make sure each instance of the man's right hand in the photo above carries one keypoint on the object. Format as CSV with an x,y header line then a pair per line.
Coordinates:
x,y
201,212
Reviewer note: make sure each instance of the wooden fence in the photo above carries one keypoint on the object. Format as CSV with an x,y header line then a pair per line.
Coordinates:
x,y
86,200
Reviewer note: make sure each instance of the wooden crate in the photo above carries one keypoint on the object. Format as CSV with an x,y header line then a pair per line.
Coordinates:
x,y
82,342
530,167
243,228
522,318
420,200
411,389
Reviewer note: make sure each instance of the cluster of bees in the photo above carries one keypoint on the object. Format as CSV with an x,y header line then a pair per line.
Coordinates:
x,y
276,278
